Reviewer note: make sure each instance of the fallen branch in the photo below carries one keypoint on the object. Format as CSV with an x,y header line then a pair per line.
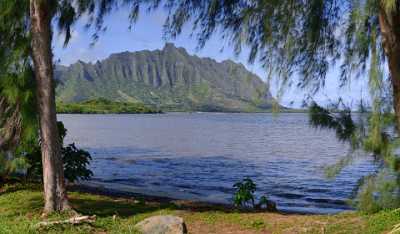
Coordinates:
x,y
396,229
74,221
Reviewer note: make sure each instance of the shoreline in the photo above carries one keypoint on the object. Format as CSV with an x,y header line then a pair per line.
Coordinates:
x,y
190,112
186,203
119,212
114,193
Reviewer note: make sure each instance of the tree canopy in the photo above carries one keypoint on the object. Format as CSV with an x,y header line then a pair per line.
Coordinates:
x,y
18,114
17,106
298,42
292,38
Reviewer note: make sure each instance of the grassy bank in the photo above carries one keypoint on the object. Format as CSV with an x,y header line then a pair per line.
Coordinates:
x,y
20,210
103,106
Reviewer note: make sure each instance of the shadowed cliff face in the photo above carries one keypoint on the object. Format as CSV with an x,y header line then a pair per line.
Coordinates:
x,y
169,79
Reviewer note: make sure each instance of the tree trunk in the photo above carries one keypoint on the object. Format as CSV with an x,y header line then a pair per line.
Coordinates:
x,y
55,196
390,29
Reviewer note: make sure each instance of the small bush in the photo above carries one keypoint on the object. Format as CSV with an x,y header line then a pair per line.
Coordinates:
x,y
76,161
10,165
244,196
378,192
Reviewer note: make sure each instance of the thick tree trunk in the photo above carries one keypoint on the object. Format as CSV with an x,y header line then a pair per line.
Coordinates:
x,y
390,30
53,173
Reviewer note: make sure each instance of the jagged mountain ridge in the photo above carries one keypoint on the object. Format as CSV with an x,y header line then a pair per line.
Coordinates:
x,y
169,79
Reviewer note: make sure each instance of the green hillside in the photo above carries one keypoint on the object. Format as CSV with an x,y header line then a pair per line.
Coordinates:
x,y
169,79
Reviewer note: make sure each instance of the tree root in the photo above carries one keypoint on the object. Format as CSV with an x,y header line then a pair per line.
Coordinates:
x,y
74,221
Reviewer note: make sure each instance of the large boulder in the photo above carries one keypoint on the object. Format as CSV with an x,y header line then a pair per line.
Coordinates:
x,y
162,224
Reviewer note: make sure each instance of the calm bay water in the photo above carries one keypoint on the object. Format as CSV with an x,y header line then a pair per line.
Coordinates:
x,y
200,156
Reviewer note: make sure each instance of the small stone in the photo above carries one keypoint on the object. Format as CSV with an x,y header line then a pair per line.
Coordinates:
x,y
162,224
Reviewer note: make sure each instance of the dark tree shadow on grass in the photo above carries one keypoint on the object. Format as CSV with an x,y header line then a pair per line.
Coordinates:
x,y
15,186
125,204
106,207
106,203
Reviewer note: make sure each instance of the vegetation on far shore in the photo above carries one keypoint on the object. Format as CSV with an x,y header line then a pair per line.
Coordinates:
x,y
104,106
21,208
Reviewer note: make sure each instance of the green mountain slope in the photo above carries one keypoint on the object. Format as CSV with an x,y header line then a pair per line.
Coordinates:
x,y
167,79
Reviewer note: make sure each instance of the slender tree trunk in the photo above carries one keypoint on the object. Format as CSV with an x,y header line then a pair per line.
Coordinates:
x,y
53,173
390,30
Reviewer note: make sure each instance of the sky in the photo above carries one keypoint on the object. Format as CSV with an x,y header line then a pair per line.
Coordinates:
x,y
146,34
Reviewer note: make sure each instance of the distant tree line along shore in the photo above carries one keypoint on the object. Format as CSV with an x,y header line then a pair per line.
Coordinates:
x,y
104,106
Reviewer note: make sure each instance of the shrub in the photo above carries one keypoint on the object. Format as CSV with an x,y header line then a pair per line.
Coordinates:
x,y
10,165
378,192
244,196
76,161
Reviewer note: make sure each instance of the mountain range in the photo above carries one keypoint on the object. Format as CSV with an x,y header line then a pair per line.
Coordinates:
x,y
169,79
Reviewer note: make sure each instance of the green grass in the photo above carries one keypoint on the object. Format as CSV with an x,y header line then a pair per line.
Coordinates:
x,y
21,206
103,106
20,211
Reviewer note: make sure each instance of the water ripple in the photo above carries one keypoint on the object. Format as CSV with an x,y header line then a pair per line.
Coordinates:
x,y
200,156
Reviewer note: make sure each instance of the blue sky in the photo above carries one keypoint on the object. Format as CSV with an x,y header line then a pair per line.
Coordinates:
x,y
147,34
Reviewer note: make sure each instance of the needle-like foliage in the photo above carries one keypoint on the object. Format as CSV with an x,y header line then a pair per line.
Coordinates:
x,y
299,41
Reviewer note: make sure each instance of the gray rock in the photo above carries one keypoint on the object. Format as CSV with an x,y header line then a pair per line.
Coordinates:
x,y
162,224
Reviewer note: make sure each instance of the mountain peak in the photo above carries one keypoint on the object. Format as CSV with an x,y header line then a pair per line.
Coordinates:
x,y
169,45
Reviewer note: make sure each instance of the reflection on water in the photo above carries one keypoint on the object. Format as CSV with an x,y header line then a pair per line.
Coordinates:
x,y
200,156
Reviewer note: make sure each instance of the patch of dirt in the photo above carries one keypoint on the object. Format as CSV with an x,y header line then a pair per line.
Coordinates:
x,y
199,227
